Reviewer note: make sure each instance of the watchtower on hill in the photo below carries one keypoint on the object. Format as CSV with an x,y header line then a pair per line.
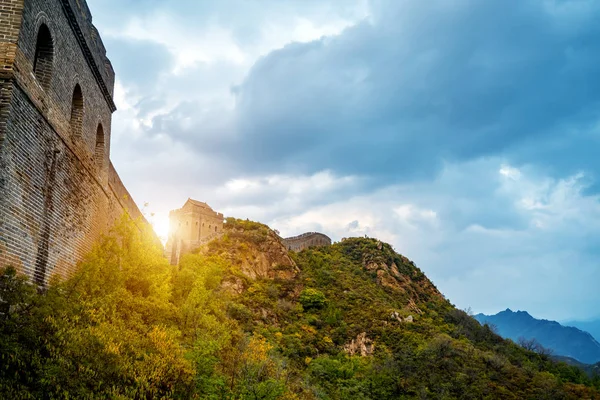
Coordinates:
x,y
191,226
58,188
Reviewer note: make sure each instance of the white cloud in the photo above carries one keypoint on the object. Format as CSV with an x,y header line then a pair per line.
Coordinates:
x,y
487,267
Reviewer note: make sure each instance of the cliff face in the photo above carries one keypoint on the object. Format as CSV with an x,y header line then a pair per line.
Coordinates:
x,y
254,251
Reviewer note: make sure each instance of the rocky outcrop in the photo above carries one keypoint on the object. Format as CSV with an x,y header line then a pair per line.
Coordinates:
x,y
269,259
255,252
395,316
233,285
399,274
388,276
362,345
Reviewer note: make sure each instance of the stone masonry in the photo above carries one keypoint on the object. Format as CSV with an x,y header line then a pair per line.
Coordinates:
x,y
191,226
306,240
58,188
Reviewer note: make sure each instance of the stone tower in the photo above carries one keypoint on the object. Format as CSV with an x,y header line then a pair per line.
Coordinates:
x,y
191,226
58,188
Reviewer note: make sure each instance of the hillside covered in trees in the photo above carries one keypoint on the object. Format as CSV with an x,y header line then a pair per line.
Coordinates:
x,y
244,319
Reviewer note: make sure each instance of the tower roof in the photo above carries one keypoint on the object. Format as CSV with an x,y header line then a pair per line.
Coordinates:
x,y
197,204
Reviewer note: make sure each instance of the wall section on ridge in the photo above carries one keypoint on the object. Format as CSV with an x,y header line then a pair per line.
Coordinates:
x,y
306,240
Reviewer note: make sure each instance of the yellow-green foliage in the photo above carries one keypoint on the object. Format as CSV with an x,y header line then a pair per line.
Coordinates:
x,y
129,325
312,298
109,329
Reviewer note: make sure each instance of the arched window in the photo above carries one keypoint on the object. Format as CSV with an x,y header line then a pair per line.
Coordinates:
x,y
44,57
77,112
99,151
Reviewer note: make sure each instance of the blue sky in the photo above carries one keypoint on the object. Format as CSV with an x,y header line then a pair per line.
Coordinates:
x,y
465,133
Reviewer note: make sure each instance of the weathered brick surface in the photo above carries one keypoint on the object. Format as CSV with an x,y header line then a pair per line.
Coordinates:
x,y
306,240
56,196
191,226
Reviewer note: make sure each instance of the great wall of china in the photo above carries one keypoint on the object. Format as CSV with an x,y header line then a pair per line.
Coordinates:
x,y
306,240
196,223
58,188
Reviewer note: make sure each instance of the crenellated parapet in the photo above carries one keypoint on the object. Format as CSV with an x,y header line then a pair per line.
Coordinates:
x,y
92,46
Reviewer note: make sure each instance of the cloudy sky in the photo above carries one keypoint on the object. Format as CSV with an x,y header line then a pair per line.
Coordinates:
x,y
465,133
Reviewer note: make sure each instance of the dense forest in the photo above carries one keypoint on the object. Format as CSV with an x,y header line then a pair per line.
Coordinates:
x,y
243,319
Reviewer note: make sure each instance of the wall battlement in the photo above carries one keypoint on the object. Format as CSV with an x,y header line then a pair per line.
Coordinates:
x,y
80,18
304,236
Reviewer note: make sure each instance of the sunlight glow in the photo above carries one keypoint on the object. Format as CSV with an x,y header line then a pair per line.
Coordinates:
x,y
160,224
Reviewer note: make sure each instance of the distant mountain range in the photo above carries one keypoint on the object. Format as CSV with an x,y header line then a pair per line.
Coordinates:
x,y
562,340
593,327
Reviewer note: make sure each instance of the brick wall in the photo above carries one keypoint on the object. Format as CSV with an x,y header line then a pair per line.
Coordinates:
x,y
191,226
121,194
306,240
56,198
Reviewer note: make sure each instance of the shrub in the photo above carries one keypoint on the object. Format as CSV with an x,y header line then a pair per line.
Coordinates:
x,y
312,298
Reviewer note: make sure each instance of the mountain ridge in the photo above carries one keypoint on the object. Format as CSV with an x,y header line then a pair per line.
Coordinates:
x,y
562,340
591,326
